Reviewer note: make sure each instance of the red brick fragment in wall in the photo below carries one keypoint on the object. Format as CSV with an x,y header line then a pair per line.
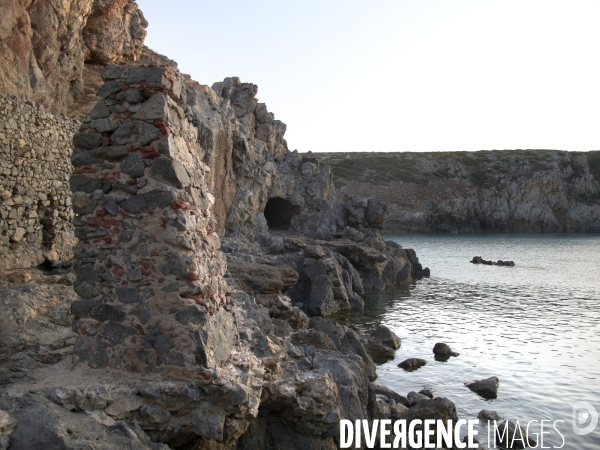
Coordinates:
x,y
192,276
94,221
180,204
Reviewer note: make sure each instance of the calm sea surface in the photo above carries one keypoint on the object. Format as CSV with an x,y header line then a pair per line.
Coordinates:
x,y
535,326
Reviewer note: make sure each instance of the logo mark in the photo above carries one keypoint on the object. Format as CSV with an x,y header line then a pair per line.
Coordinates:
x,y
584,413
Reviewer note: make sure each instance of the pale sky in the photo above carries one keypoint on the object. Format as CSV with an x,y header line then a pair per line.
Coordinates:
x,y
403,75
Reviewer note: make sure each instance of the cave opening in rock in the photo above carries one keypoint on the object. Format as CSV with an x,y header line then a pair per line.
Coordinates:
x,y
279,213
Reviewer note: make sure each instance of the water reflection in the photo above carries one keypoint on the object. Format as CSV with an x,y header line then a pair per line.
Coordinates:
x,y
534,326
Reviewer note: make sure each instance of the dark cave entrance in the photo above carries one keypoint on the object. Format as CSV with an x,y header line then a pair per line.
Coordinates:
x,y
279,213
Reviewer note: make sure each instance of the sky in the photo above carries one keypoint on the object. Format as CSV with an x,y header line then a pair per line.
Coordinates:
x,y
400,75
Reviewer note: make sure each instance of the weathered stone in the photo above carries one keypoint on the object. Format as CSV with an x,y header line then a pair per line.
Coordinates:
x,y
169,171
117,333
133,165
192,314
127,294
153,76
158,340
133,95
142,312
87,140
112,153
153,109
99,111
90,350
321,302
81,157
44,424
134,204
97,310
82,204
104,125
134,132
108,88
123,405
386,337
112,72
85,183
109,205
159,198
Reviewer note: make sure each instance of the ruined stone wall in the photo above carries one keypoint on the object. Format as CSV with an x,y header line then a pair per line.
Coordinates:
x,y
149,270
36,209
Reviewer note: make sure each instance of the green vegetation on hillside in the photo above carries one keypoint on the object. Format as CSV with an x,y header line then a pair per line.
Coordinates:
x,y
482,168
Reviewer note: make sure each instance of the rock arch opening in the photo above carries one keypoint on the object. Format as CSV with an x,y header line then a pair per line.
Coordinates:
x,y
279,213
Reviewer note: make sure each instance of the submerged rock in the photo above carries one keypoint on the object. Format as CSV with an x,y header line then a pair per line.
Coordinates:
x,y
487,388
480,260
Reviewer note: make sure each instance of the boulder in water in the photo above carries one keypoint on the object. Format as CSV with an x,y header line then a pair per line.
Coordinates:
x,y
487,388
443,351
411,364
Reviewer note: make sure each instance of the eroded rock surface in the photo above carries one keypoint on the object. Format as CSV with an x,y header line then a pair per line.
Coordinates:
x,y
44,46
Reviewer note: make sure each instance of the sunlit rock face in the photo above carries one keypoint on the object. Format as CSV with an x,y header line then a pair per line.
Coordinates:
x,y
44,46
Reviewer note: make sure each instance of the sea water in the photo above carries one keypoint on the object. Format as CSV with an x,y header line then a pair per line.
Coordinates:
x,y
536,326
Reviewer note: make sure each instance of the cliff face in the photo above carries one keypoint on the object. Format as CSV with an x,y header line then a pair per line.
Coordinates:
x,y
45,44
489,191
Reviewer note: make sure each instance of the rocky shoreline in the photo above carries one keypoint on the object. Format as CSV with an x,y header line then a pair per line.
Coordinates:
x,y
185,289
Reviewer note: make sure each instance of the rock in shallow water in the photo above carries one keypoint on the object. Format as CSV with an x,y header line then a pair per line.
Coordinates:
x,y
486,414
411,364
386,337
487,388
443,351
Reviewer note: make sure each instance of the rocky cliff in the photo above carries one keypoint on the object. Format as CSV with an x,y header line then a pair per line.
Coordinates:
x,y
206,257
49,49
539,191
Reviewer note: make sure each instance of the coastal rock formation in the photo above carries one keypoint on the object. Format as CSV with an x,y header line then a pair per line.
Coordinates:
x,y
44,46
151,336
539,191
487,388
156,300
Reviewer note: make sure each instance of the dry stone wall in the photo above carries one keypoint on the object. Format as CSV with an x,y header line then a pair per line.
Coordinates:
x,y
36,209
149,270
